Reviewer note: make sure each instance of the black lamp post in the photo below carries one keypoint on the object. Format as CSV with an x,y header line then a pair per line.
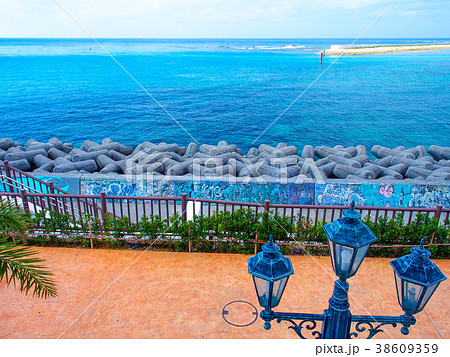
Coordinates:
x,y
270,271
348,240
417,277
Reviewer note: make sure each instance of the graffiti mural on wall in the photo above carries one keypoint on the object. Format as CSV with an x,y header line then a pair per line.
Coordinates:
x,y
340,194
112,187
382,195
429,196
138,188
250,192
160,188
215,190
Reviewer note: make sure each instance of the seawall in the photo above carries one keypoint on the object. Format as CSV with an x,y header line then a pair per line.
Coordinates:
x,y
399,177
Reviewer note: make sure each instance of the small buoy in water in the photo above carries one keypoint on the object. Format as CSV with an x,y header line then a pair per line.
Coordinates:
x,y
321,55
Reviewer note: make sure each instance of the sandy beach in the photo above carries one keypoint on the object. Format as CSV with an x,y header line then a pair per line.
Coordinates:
x,y
385,49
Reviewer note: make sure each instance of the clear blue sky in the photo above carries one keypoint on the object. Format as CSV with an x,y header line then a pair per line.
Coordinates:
x,y
225,18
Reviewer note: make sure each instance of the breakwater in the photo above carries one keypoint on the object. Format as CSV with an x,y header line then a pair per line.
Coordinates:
x,y
226,161
399,177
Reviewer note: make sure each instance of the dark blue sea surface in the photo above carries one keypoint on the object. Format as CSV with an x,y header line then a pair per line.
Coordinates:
x,y
224,89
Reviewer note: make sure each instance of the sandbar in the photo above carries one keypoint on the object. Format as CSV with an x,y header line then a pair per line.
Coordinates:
x,y
385,49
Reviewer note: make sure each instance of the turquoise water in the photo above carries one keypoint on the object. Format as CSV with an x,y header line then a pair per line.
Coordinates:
x,y
223,90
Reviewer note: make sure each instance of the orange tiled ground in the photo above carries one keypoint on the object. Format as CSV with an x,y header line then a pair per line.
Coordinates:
x,y
181,295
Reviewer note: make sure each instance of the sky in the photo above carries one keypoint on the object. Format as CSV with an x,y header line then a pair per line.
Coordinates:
x,y
224,18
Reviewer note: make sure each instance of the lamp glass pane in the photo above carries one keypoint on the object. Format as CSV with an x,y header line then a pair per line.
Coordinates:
x,y
278,289
343,260
426,296
263,290
360,254
398,284
411,294
331,248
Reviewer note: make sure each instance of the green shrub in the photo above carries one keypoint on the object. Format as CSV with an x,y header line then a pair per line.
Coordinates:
x,y
305,231
151,227
237,231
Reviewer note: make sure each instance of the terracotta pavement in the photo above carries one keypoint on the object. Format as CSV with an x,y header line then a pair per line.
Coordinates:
x,y
135,294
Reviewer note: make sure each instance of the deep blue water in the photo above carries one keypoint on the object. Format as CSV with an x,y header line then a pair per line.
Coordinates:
x,y
223,90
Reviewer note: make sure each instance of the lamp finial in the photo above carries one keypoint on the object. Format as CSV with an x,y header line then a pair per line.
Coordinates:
x,y
420,252
351,212
352,205
270,248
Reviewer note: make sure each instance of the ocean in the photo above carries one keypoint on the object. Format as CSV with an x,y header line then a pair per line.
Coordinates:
x,y
223,89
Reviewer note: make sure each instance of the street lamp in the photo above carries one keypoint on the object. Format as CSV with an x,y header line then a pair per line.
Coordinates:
x,y
270,271
348,241
417,277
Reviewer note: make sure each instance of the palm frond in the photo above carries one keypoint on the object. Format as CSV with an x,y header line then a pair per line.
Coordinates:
x,y
18,265
13,219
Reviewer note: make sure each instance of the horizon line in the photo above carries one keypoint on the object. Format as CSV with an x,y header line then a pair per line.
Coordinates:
x,y
228,38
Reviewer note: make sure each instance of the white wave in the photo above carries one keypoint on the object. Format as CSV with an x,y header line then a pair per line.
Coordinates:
x,y
287,47
292,47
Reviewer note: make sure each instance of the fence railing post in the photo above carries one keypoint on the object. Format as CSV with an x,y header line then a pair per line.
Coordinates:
x,y
266,213
90,234
267,205
184,206
437,214
23,195
53,204
51,187
190,242
104,207
8,176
